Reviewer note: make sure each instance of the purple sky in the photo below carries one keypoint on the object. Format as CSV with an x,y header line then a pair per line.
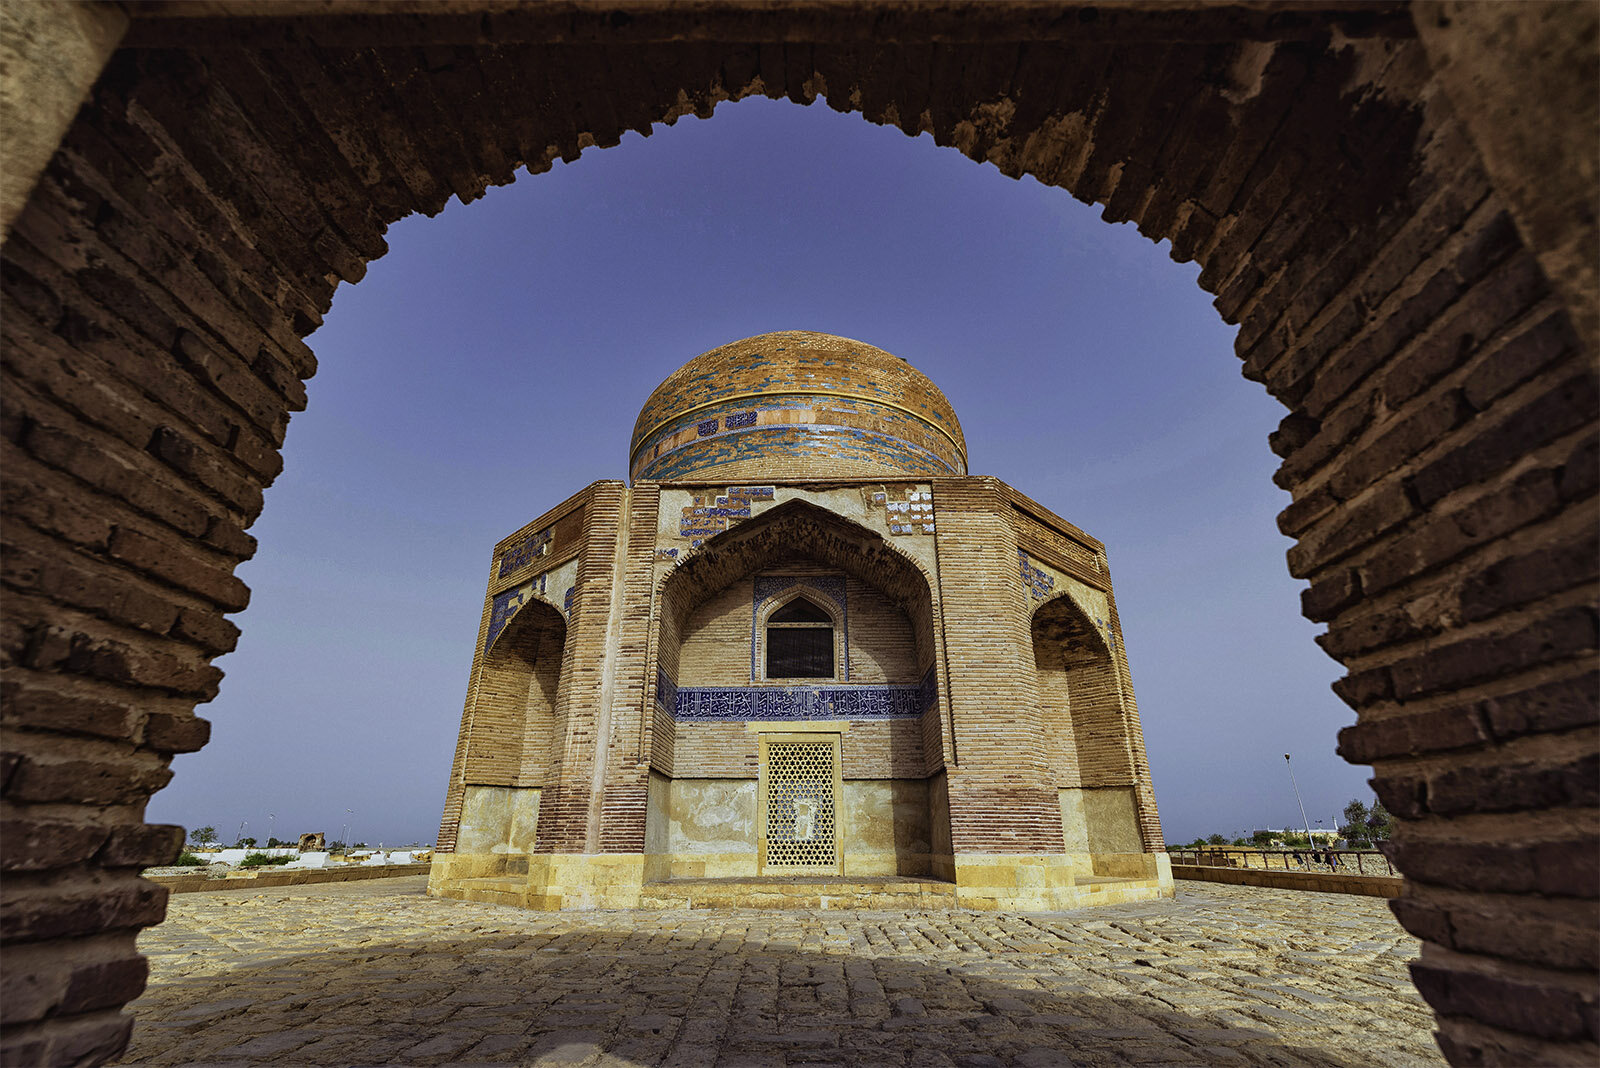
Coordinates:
x,y
493,363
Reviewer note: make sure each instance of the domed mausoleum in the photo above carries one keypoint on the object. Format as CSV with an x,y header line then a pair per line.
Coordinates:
x,y
802,659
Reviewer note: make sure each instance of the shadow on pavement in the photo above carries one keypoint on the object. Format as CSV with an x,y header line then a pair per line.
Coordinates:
x,y
599,996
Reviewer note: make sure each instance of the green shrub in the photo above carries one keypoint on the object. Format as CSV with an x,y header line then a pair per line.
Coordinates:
x,y
189,860
257,860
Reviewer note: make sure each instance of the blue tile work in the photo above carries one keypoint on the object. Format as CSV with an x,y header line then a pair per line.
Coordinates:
x,y
740,421
506,604
1034,578
711,514
907,509
707,427
666,690
501,609
769,586
928,689
524,552
1107,633
773,443
740,703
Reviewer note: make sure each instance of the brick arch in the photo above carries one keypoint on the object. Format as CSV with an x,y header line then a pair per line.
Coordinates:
x,y
1070,625
226,174
799,528
1087,742
514,695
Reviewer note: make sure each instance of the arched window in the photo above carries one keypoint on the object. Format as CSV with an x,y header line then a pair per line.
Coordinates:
x,y
800,642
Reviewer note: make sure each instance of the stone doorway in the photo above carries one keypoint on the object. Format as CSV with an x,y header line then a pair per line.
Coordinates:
x,y
798,804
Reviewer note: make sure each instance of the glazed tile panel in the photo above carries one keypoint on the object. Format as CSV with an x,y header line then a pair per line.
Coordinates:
x,y
787,400
775,430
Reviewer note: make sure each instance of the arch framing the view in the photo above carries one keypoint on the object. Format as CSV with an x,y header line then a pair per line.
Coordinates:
x,y
1413,278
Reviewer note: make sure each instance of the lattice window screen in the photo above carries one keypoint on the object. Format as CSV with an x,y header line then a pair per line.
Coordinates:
x,y
801,821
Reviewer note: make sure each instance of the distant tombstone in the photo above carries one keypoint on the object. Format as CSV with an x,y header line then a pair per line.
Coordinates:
x,y
309,860
376,859
312,843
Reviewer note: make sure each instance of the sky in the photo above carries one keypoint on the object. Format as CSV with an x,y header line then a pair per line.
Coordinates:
x,y
492,364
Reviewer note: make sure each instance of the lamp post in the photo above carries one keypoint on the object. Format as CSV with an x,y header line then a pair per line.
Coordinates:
x,y
272,825
1290,765
239,840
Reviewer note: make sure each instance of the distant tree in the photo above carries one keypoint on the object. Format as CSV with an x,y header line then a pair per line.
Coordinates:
x,y
276,843
1217,839
245,843
1261,839
1380,822
361,845
1296,841
203,836
1355,820
1240,842
337,847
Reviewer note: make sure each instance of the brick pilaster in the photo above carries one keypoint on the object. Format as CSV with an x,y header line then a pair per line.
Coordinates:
x,y
1002,797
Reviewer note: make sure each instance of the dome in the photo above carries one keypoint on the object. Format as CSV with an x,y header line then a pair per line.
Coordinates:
x,y
796,404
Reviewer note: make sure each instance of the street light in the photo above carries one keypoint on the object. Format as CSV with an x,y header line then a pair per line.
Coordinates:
x,y
1290,765
239,840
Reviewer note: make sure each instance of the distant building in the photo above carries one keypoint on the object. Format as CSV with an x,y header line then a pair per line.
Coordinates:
x,y
803,641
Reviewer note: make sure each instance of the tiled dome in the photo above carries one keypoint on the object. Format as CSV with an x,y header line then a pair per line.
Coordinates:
x,y
796,404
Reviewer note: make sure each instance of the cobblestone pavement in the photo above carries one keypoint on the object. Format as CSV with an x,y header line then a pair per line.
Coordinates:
x,y
378,973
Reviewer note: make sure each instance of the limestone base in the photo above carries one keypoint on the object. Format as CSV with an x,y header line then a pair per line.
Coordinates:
x,y
983,882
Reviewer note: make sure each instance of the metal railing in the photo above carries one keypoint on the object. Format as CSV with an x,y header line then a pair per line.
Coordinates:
x,y
1310,861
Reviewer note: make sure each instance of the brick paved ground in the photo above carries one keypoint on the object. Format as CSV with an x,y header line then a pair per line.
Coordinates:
x,y
378,973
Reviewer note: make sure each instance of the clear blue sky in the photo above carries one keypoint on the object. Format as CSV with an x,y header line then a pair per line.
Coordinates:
x,y
493,363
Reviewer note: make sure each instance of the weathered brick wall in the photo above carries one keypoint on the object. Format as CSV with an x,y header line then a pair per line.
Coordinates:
x,y
1002,795
516,558
1144,797
515,697
1440,446
569,808
717,646
716,642
1055,710
534,674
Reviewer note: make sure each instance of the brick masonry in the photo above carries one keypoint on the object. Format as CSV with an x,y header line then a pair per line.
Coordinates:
x,y
1376,193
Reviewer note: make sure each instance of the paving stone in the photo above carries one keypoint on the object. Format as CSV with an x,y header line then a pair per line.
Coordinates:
x,y
379,973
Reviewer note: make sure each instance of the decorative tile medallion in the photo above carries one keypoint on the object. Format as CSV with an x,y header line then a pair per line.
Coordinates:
x,y
711,514
907,509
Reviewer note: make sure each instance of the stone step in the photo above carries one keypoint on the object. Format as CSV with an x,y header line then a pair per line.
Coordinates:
x,y
494,890
801,892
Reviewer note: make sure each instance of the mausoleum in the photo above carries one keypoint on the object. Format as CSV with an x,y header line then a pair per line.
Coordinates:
x,y
801,657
